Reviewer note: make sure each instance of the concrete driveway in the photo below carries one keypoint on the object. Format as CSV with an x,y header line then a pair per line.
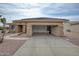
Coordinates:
x,y
47,45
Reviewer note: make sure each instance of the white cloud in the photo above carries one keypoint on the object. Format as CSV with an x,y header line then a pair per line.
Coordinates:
x,y
34,13
24,10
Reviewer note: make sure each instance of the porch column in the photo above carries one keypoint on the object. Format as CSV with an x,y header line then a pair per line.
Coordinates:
x,y
10,27
16,29
24,28
29,30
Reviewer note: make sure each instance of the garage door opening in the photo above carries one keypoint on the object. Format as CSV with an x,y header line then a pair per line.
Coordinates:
x,y
49,28
20,28
43,29
39,29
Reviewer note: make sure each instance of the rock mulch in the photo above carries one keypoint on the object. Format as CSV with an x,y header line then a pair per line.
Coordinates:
x,y
9,47
73,37
74,40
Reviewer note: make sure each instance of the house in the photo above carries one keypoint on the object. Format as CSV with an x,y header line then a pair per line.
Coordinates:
x,y
30,26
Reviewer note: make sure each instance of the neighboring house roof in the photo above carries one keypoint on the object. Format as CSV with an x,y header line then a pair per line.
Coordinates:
x,y
42,19
74,22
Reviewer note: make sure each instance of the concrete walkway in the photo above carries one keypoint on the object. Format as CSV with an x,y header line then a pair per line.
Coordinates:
x,y
47,46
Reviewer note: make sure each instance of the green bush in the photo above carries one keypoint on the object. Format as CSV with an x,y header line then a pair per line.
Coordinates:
x,y
1,28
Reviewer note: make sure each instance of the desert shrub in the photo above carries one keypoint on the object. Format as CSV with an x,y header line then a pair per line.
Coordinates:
x,y
12,31
68,30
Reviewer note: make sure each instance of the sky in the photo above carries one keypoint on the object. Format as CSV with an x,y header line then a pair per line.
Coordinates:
x,y
16,11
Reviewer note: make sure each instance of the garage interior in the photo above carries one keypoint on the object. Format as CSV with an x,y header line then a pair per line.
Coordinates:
x,y
43,29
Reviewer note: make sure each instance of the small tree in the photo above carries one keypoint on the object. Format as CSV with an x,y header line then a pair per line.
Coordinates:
x,y
3,21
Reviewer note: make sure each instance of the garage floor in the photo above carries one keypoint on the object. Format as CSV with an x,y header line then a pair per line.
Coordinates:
x,y
47,45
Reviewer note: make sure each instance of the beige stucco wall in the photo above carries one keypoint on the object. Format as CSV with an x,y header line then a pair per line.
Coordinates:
x,y
66,26
74,30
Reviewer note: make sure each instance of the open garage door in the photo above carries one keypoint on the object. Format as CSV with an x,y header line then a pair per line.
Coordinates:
x,y
39,29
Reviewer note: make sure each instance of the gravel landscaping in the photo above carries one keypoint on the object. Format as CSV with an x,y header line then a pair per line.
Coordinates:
x,y
74,40
73,37
9,47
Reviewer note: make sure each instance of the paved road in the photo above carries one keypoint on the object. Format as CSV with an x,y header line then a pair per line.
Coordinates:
x,y
47,46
